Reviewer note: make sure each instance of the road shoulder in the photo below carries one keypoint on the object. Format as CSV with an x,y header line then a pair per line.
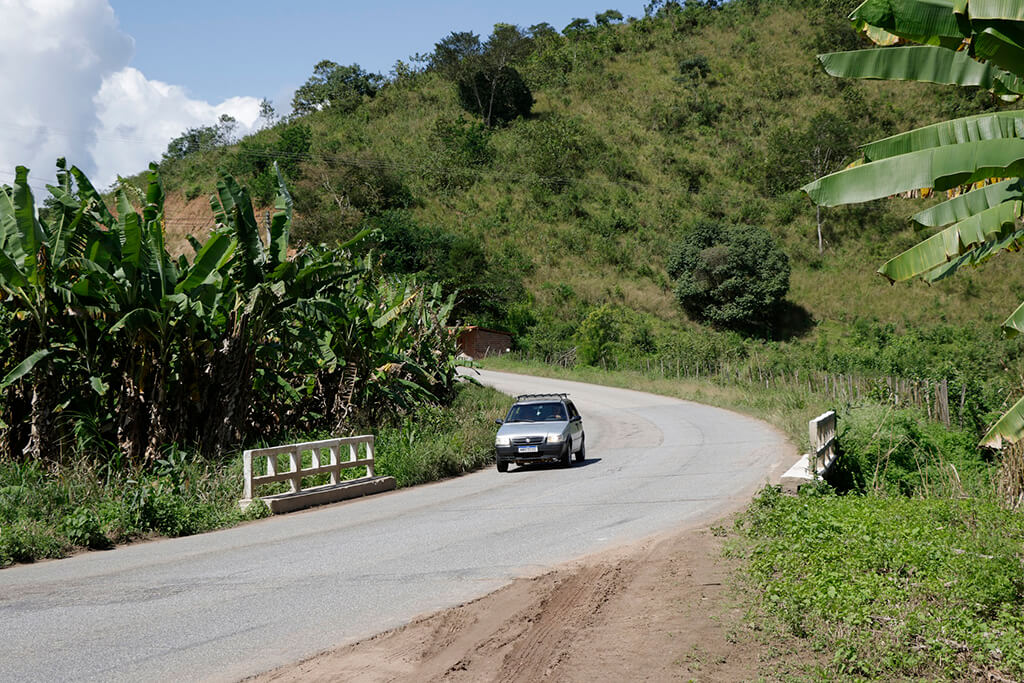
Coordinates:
x,y
657,610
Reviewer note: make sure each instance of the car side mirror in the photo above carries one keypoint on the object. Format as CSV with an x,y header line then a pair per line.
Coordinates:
x,y
499,422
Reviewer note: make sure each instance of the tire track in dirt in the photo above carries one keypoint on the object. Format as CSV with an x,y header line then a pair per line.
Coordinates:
x,y
653,611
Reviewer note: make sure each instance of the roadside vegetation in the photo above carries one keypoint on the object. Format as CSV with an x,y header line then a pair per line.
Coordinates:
x,y
47,514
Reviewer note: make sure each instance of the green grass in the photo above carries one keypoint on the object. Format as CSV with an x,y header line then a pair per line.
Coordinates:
x,y
888,588
52,514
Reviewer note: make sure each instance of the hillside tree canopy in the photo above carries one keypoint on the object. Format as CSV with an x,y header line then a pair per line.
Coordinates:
x,y
488,84
335,86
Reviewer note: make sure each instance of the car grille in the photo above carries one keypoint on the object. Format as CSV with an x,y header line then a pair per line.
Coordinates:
x,y
526,440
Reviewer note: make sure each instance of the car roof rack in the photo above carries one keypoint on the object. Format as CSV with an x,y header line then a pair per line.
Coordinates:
x,y
534,397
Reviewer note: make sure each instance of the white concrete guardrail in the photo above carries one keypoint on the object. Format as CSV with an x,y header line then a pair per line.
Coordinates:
x,y
816,464
324,458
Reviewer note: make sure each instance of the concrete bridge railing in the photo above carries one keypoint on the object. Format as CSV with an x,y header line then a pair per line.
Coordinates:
x,y
325,457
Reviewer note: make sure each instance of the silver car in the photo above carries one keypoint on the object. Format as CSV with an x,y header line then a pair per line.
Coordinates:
x,y
540,428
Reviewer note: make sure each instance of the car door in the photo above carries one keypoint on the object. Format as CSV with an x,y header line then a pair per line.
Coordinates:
x,y
575,424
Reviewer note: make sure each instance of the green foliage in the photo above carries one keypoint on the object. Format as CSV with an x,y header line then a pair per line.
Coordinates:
x,y
434,443
596,335
898,452
335,87
201,139
487,83
498,97
732,276
255,158
82,528
793,157
556,149
460,149
181,351
890,588
485,287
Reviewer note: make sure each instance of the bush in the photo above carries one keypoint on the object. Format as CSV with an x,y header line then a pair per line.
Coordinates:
x,y
556,148
498,98
597,334
899,452
730,275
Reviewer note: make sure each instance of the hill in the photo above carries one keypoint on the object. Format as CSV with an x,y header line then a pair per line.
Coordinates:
x,y
640,130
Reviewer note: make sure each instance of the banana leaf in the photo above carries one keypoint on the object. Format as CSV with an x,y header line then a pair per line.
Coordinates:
x,y
1011,241
27,239
131,231
1014,325
1009,428
992,126
92,198
928,23
24,367
1006,10
11,277
999,48
280,224
941,168
213,256
970,203
951,242
922,63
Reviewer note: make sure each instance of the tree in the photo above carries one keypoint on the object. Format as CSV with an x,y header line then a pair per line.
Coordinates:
x,y
577,25
597,335
608,17
732,276
972,44
340,88
202,138
487,83
268,116
823,145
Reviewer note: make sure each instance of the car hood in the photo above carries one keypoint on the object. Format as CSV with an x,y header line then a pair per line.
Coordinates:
x,y
528,428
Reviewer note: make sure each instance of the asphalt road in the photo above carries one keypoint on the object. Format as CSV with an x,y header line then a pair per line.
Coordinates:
x,y
232,603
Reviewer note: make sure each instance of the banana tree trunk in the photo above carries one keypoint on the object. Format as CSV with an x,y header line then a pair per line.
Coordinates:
x,y
42,444
131,422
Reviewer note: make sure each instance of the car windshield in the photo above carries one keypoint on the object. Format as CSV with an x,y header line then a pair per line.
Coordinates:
x,y
536,412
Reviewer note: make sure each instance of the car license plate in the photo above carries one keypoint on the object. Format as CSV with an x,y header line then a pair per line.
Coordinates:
x,y
527,449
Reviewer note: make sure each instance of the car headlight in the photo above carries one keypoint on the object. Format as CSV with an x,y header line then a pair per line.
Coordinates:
x,y
501,440
556,438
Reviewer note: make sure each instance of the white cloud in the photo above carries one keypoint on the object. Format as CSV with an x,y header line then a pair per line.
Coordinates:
x,y
138,117
67,91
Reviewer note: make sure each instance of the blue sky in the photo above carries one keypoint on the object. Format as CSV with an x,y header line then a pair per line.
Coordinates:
x,y
222,48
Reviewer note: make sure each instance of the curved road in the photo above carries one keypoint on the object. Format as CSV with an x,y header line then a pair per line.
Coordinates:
x,y
232,603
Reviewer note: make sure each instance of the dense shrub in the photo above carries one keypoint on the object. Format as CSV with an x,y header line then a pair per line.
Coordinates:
x,y
596,335
730,275
556,148
899,452
498,97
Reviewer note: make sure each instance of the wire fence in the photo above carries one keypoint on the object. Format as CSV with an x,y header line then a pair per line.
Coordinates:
x,y
929,395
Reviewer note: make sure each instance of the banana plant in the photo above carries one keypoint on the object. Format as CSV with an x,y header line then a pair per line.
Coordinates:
x,y
978,43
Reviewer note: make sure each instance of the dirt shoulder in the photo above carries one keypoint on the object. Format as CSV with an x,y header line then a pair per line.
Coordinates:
x,y
658,610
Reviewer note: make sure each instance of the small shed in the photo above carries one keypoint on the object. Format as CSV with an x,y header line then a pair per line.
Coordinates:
x,y
479,342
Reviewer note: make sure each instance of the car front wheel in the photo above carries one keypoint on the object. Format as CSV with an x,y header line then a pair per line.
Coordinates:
x,y
567,454
502,465
581,454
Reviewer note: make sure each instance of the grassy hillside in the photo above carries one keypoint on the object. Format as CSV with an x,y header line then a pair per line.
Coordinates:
x,y
639,131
